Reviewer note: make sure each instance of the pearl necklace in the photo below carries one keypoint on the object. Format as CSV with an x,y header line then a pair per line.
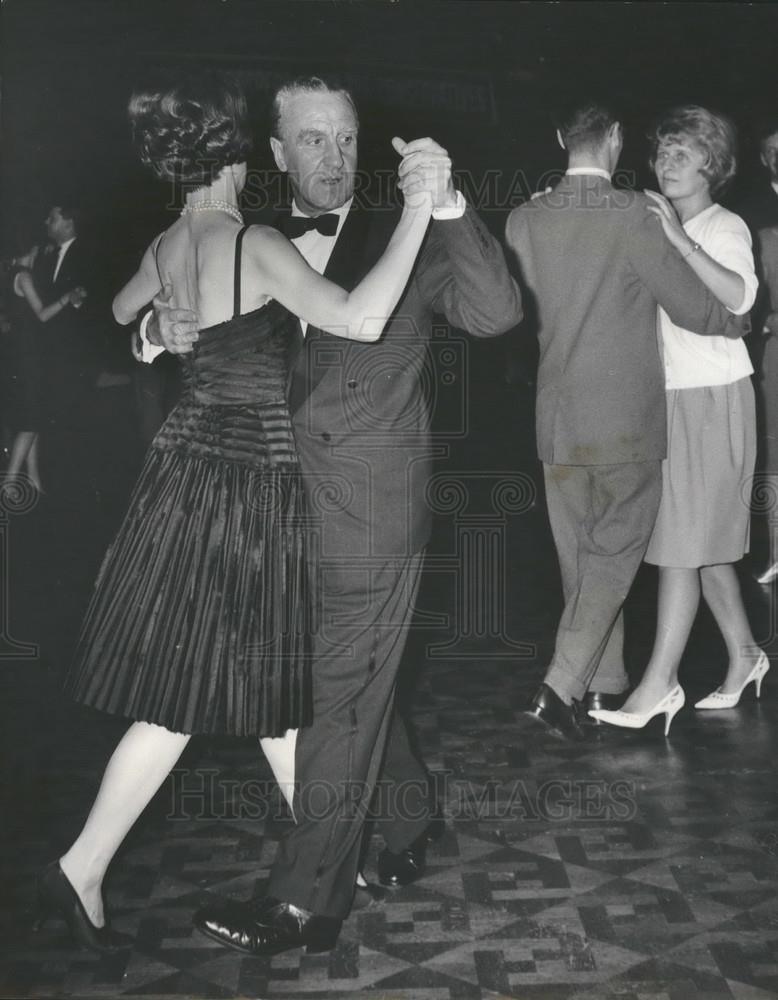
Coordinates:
x,y
213,205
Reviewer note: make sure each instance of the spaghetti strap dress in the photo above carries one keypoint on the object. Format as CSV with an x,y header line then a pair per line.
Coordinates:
x,y
200,618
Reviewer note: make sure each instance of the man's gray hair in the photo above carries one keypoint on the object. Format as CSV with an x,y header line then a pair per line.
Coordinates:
x,y
305,84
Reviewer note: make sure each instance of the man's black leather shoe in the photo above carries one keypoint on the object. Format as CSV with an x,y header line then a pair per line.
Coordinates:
x,y
268,927
410,864
596,699
549,709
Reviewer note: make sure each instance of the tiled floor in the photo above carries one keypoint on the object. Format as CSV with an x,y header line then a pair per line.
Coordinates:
x,y
635,867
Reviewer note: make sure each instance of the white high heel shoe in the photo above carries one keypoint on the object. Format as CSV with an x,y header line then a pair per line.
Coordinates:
x,y
718,700
670,705
767,577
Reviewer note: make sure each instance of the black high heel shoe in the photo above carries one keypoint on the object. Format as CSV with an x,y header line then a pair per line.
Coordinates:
x,y
56,896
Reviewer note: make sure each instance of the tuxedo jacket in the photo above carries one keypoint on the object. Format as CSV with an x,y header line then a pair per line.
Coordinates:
x,y
69,334
767,244
595,264
360,414
759,209
760,212
75,270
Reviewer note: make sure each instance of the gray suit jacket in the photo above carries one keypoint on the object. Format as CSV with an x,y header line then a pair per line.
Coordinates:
x,y
595,264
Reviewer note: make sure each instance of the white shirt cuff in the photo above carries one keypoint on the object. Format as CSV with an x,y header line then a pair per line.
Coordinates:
x,y
148,351
455,211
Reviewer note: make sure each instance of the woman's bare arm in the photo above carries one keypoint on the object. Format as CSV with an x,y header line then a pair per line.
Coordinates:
x,y
139,290
361,314
26,286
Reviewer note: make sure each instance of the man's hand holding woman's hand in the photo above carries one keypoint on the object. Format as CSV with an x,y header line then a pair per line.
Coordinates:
x,y
174,329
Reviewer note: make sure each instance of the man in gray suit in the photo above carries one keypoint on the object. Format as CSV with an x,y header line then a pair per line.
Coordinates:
x,y
595,263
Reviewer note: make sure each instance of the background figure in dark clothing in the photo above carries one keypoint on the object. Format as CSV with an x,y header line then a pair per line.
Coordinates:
x,y
70,354
760,207
766,248
68,343
22,361
760,211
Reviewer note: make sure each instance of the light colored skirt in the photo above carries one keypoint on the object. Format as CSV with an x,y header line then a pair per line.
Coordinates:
x,y
704,516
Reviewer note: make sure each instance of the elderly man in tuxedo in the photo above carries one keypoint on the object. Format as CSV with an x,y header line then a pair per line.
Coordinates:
x,y
362,428
595,263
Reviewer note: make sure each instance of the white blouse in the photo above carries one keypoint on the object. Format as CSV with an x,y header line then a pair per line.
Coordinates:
x,y
691,359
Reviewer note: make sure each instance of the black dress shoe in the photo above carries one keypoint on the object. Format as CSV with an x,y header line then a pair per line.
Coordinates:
x,y
406,866
268,927
549,709
56,896
595,700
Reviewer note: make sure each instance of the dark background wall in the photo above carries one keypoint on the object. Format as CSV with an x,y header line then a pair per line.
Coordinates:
x,y
480,77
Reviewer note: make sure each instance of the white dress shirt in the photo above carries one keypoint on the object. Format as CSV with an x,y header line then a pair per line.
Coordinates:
x,y
63,249
575,172
317,248
584,171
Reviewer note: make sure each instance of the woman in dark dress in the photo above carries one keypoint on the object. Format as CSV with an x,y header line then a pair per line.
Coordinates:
x,y
199,618
22,364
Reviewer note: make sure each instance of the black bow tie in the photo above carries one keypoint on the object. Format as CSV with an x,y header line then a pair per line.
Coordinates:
x,y
293,226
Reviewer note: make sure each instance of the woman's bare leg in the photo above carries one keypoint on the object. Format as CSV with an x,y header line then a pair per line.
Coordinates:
x,y
32,464
20,448
145,756
721,590
679,598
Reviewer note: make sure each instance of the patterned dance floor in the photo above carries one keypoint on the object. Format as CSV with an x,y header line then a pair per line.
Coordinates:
x,y
635,866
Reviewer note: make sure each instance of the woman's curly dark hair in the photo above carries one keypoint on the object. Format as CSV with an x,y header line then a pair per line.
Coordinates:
x,y
189,130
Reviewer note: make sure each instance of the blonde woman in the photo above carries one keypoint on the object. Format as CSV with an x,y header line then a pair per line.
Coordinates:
x,y
702,527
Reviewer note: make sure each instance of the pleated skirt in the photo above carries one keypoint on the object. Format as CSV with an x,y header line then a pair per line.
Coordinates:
x,y
200,619
704,514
